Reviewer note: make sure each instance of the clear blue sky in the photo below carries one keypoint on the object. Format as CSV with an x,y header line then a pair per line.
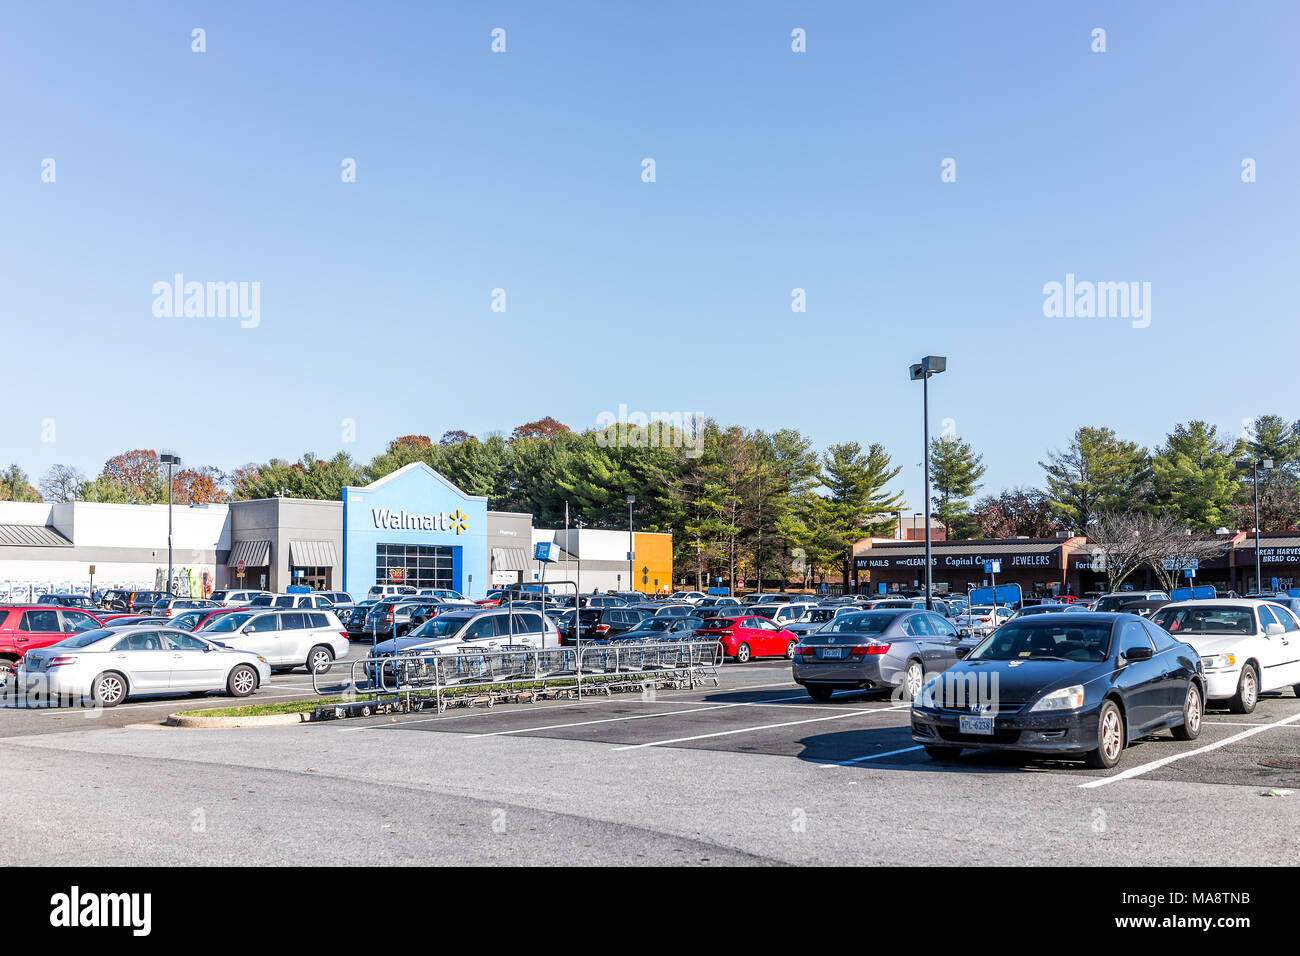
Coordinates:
x,y
522,170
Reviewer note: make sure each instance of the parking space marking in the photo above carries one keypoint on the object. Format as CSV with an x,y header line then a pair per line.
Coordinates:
x,y
747,730
612,720
891,753
1165,761
604,720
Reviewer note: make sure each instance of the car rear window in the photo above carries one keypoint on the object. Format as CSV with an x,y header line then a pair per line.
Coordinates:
x,y
1205,620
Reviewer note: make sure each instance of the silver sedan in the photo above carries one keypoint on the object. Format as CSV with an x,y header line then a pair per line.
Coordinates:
x,y
869,650
108,665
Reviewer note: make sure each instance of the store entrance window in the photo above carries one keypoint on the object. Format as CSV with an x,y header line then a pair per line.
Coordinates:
x,y
420,565
318,579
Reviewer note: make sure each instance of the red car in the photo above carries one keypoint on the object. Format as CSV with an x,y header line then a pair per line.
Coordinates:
x,y
748,637
25,627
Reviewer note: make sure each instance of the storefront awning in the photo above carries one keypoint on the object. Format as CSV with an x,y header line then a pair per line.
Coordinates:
x,y
313,554
254,554
31,536
509,559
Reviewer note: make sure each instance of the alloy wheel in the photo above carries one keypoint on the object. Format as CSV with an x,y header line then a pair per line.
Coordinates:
x,y
1112,733
1193,709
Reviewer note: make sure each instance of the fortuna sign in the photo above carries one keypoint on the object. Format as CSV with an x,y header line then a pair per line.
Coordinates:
x,y
407,521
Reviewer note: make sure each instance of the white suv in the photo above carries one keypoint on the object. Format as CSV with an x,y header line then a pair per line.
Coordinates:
x,y
286,638
235,598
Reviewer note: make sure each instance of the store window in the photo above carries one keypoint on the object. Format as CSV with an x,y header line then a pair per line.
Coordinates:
x,y
420,565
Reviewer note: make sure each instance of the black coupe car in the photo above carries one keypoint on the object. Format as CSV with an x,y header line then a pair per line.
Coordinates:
x,y
1072,683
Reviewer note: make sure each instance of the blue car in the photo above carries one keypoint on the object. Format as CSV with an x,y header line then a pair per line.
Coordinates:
x,y
1086,684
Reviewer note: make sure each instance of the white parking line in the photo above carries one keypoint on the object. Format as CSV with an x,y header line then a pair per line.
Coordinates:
x,y
611,720
1165,761
746,730
891,753
604,720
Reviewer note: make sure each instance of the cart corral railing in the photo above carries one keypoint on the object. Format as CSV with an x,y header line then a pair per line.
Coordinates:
x,y
416,680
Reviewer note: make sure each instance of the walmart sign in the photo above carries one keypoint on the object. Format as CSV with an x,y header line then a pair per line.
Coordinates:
x,y
391,520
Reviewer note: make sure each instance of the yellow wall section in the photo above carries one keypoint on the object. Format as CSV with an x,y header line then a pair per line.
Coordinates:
x,y
653,551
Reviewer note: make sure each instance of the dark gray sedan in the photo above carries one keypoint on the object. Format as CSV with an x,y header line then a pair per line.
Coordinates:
x,y
869,650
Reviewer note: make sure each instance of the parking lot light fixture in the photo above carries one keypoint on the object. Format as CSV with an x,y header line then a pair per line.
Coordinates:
x,y
1255,464
171,461
930,365
631,581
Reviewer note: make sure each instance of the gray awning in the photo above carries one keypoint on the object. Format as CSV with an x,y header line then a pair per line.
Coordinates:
x,y
32,536
312,554
254,554
509,559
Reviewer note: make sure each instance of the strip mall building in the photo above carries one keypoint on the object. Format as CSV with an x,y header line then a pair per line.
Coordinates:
x,y
1062,565
412,526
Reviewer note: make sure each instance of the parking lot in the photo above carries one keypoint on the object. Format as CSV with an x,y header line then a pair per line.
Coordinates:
x,y
751,771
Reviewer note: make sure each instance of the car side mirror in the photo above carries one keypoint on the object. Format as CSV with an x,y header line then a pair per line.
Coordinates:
x,y
1274,629
1139,654
962,652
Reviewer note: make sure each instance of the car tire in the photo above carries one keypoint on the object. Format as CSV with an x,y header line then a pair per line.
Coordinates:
x,y
913,680
108,689
789,650
242,681
742,654
1110,738
1247,695
819,693
936,752
1193,712
319,659
1296,688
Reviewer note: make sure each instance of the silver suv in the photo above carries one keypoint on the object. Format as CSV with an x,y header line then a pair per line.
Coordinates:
x,y
287,639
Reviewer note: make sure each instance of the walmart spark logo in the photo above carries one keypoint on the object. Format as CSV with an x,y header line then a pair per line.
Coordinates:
x,y
459,522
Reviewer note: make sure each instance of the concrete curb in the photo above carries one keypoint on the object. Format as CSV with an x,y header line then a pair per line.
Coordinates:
x,y
197,721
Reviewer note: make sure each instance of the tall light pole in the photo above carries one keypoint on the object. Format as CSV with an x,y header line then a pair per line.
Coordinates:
x,y
930,365
1254,465
631,581
171,461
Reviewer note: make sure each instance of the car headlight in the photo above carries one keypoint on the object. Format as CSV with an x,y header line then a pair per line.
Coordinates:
x,y
1067,698
1218,660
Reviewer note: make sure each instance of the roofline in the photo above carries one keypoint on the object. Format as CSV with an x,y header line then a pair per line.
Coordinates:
x,y
392,475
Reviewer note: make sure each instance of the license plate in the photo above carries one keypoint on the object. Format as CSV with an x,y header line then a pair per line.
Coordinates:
x,y
834,652
977,725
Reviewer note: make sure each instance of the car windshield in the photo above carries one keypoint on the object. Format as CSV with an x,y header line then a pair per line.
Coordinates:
x,y
660,624
1206,620
86,638
767,610
1045,640
821,615
227,623
865,622
438,627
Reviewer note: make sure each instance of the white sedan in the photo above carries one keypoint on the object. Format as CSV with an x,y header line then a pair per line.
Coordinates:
x,y
1246,646
109,665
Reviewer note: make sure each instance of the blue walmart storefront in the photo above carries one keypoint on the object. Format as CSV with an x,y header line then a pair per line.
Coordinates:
x,y
414,527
